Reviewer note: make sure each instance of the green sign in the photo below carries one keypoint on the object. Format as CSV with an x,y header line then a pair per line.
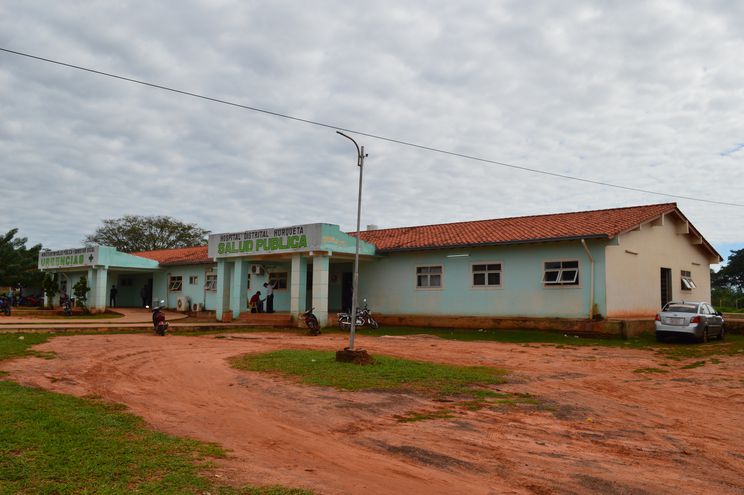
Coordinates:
x,y
297,238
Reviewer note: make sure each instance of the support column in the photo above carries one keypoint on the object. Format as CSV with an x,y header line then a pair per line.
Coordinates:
x,y
91,279
239,288
223,288
320,289
101,299
298,287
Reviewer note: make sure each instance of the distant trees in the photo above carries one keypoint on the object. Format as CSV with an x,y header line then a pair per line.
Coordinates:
x,y
18,264
727,284
132,233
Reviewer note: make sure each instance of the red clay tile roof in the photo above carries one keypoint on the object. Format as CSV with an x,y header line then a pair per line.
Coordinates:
x,y
180,256
584,224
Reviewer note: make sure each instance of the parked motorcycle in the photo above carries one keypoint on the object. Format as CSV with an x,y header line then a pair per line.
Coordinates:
x,y
363,318
313,326
66,303
5,305
158,320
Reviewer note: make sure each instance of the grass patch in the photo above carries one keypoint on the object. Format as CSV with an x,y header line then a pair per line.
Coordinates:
x,y
14,345
696,364
387,373
57,444
650,370
732,346
510,336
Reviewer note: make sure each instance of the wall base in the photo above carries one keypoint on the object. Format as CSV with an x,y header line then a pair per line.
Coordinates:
x,y
603,328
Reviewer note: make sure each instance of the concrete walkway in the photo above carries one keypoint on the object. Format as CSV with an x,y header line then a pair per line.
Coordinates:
x,y
134,318
130,315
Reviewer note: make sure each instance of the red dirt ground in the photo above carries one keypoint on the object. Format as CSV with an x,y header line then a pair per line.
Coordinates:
x,y
608,430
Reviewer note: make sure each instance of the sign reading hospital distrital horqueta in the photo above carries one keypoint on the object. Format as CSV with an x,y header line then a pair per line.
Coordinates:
x,y
68,258
295,239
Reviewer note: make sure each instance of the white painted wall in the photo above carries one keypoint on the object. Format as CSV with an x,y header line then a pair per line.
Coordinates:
x,y
634,280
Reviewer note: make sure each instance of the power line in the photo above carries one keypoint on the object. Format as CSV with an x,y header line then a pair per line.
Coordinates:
x,y
369,135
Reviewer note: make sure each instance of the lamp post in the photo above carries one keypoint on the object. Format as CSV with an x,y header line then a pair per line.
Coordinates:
x,y
355,286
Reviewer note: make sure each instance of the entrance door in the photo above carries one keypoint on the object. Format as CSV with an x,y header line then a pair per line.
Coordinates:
x,y
347,287
666,286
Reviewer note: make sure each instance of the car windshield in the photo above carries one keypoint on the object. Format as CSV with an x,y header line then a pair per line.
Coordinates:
x,y
681,308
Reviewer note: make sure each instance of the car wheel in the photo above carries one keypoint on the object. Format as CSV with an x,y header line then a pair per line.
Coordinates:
x,y
705,336
660,338
722,334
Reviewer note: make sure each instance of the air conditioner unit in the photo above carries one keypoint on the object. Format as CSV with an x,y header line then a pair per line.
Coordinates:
x,y
197,307
182,304
257,270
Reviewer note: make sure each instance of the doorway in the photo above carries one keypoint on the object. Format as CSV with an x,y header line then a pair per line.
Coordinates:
x,y
666,286
347,287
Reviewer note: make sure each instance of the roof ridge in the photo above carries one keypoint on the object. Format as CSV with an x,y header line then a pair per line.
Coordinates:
x,y
673,204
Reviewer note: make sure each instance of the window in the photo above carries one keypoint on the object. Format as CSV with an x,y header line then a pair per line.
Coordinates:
x,y
278,280
211,281
558,273
175,284
193,280
486,275
687,282
429,277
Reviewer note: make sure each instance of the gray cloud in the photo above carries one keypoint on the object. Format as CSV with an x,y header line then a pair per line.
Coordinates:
x,y
648,95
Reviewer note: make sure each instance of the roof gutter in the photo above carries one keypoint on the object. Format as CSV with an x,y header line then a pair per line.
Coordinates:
x,y
591,280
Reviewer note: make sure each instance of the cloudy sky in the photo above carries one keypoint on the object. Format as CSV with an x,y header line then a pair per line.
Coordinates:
x,y
646,94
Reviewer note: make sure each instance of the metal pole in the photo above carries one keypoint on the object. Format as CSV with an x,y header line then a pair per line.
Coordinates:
x,y
355,287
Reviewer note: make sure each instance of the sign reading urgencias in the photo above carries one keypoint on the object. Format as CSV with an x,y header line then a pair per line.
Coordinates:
x,y
295,239
68,258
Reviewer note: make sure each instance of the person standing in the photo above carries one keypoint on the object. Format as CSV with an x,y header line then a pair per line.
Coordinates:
x,y
269,297
112,296
143,295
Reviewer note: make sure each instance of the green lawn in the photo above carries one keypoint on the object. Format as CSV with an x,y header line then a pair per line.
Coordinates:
x,y
57,444
387,373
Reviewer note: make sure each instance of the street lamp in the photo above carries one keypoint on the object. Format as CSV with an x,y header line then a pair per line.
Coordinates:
x,y
355,287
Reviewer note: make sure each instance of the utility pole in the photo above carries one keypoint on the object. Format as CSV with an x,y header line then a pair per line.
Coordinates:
x,y
355,286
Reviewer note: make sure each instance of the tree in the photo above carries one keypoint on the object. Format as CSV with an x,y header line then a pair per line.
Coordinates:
x,y
133,233
81,289
50,284
18,264
732,274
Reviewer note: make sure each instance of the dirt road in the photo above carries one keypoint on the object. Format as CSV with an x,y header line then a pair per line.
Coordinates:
x,y
607,429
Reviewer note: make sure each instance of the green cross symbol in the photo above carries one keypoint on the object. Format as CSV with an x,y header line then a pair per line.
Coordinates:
x,y
90,258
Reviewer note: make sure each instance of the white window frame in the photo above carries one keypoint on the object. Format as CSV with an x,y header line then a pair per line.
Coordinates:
x,y
429,287
560,284
688,283
273,279
487,286
175,283
210,281
193,279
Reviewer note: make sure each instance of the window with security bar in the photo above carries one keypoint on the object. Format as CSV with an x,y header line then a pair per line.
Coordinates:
x,y
561,273
211,281
687,282
175,284
429,277
486,275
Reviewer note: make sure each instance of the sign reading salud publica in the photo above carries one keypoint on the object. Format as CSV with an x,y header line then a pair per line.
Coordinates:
x,y
68,258
295,239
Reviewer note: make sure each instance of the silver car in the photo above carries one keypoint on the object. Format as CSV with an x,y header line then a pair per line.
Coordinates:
x,y
690,319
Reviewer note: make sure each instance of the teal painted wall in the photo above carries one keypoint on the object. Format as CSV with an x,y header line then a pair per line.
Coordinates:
x,y
389,283
195,292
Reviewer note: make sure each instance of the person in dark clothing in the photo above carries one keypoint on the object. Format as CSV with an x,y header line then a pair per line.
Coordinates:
x,y
112,296
255,303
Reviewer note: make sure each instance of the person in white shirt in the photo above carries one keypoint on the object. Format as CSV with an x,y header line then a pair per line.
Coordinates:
x,y
269,297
